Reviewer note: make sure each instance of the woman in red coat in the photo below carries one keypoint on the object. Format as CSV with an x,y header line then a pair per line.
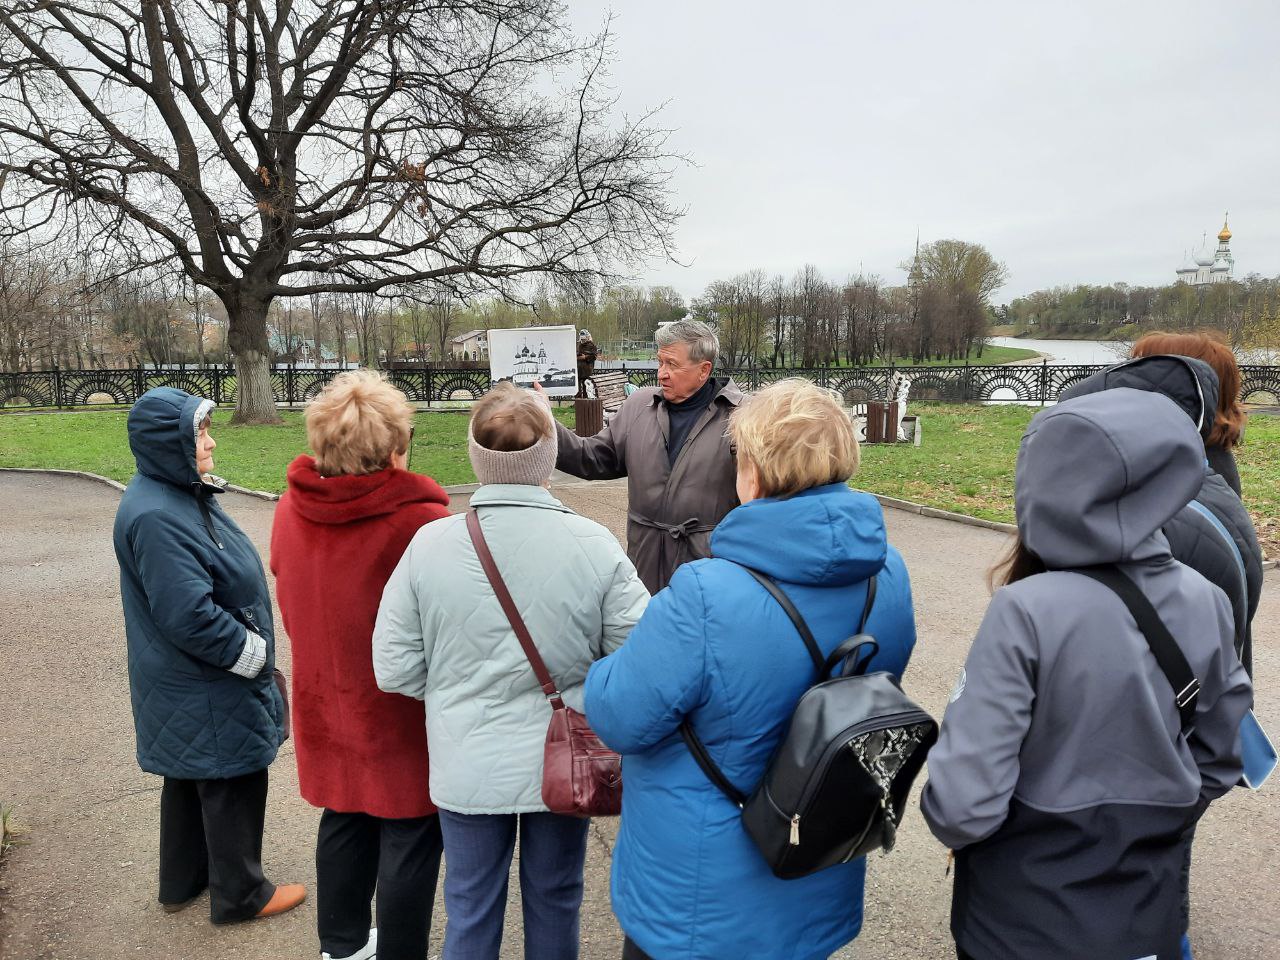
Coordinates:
x,y
340,529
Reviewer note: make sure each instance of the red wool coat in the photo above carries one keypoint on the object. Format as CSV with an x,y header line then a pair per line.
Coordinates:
x,y
334,543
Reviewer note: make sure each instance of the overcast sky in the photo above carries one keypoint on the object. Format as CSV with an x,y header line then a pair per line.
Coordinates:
x,y
1088,142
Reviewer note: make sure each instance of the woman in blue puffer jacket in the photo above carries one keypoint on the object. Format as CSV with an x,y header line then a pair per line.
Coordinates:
x,y
207,713
716,649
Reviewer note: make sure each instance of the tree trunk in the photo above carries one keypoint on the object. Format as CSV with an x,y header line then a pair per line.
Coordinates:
x,y
247,339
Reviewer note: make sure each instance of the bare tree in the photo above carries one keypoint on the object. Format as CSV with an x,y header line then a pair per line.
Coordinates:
x,y
317,302
780,294
443,316
389,332
364,319
272,150
23,282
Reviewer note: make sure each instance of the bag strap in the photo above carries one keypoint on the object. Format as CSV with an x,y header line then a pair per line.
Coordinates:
x,y
866,607
698,749
1172,661
1217,524
815,652
513,614
708,766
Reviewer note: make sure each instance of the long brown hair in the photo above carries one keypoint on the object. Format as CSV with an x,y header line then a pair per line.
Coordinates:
x,y
1018,563
1209,347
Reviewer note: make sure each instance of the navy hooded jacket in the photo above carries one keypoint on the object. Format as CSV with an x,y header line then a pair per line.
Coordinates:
x,y
196,608
716,649
1213,534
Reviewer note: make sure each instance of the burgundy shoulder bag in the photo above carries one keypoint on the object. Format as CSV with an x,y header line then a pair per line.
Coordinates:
x,y
581,777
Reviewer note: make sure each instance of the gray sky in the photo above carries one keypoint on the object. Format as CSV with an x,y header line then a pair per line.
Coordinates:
x,y
1087,142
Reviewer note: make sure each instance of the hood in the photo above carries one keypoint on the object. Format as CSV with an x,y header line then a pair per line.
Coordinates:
x,y
1098,476
826,536
162,434
1188,382
343,499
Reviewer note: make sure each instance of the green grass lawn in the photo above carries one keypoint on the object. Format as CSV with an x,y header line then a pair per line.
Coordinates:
x,y
966,463
253,457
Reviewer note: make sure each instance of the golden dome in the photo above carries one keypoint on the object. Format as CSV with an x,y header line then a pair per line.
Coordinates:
x,y
1224,235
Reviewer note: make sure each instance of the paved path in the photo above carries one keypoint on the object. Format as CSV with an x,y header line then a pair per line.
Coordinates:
x,y
83,885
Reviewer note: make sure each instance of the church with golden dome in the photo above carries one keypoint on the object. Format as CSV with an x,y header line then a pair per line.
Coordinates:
x,y
1207,265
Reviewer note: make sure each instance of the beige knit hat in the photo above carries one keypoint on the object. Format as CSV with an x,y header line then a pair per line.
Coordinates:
x,y
532,465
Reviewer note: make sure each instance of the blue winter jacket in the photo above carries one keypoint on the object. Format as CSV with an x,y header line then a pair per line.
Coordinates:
x,y
196,607
688,884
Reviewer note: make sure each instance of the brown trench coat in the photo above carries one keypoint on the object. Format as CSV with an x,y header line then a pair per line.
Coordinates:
x,y
672,510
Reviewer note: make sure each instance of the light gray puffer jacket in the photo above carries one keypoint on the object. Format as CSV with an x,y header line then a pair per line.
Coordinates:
x,y
442,637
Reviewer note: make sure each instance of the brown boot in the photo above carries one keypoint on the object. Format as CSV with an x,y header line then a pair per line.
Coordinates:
x,y
284,899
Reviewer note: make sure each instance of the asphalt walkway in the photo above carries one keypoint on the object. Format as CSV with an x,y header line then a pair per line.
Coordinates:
x,y
82,886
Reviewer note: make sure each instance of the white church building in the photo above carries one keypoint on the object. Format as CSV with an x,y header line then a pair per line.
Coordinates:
x,y
1207,265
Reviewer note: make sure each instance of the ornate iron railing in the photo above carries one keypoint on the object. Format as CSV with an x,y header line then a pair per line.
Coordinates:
x,y
1024,383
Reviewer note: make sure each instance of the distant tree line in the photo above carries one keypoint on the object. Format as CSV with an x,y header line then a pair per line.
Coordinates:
x,y
58,311
1246,311
808,320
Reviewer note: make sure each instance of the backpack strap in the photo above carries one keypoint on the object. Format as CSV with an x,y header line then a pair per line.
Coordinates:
x,y
708,766
513,613
815,652
698,748
1172,661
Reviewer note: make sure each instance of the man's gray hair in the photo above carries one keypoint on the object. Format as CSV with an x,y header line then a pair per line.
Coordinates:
x,y
702,340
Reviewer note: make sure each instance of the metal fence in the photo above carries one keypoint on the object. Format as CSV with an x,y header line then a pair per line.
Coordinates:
x,y
1023,383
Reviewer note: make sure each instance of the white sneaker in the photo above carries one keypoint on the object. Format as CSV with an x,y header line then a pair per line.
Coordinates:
x,y
368,952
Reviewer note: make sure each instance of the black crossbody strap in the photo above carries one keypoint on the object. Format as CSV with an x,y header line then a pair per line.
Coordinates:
x,y
1186,688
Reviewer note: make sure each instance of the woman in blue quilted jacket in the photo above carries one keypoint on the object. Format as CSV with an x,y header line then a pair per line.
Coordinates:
x,y
716,649
207,713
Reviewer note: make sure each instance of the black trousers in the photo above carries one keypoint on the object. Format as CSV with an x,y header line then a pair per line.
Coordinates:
x,y
211,836
357,854
631,952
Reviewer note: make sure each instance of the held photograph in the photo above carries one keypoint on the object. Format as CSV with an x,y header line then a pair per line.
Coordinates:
x,y
529,355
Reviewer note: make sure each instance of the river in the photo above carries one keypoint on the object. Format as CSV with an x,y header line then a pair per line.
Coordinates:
x,y
1069,351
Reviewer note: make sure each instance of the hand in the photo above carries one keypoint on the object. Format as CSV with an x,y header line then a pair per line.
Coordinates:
x,y
537,388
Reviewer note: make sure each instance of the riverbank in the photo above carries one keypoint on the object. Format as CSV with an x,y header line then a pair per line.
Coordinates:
x,y
965,464
1124,333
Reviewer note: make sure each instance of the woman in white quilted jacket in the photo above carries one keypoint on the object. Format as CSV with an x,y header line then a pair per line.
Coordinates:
x,y
442,637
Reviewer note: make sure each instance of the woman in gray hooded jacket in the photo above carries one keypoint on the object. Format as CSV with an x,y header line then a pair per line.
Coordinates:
x,y
1063,777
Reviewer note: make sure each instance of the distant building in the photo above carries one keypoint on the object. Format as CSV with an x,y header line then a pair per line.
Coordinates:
x,y
1207,265
472,345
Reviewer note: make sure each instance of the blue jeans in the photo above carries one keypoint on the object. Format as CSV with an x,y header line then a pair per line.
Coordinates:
x,y
477,855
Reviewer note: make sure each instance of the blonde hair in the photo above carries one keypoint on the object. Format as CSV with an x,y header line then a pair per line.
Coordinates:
x,y
797,436
356,423
508,418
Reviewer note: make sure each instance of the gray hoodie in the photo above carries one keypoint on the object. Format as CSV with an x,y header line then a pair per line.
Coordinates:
x,y
1061,775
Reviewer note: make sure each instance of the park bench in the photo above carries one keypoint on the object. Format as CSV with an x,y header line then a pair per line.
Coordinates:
x,y
606,392
610,388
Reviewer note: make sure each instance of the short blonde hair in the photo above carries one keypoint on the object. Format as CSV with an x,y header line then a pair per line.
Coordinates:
x,y
508,418
796,435
356,423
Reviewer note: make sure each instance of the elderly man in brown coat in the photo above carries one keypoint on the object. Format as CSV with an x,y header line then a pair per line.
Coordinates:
x,y
670,444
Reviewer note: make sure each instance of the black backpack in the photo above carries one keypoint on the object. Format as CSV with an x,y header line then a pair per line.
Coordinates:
x,y
837,786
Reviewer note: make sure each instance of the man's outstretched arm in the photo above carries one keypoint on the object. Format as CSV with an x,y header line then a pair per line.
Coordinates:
x,y
602,457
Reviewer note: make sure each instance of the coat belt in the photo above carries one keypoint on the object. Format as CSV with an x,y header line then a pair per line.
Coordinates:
x,y
677,531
